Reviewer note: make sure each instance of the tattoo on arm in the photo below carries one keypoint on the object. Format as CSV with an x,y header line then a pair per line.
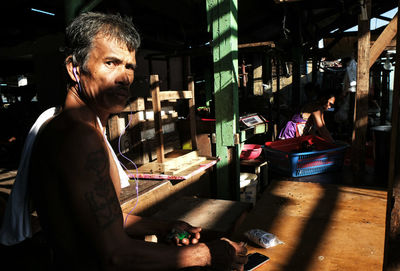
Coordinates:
x,y
102,199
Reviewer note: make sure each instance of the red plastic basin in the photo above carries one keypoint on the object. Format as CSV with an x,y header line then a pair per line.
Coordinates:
x,y
250,151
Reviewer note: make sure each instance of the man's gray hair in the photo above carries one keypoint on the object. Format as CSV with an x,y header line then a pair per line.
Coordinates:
x,y
82,30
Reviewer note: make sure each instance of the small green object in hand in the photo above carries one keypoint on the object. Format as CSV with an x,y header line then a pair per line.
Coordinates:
x,y
178,234
182,235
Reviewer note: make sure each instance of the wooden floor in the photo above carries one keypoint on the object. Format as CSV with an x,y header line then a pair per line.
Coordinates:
x,y
323,226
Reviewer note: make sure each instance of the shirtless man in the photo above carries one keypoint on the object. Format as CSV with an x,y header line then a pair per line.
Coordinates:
x,y
75,181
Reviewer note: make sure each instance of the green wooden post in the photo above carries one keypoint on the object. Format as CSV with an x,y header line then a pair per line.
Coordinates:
x,y
222,21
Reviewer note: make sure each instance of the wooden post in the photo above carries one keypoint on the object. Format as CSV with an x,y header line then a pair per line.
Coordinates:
x,y
257,75
222,21
385,96
244,74
266,68
267,78
277,99
296,76
150,60
168,73
376,74
315,61
361,101
392,237
192,112
155,99
297,56
112,128
186,70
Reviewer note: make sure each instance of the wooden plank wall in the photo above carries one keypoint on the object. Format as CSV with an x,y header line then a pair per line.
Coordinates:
x,y
139,143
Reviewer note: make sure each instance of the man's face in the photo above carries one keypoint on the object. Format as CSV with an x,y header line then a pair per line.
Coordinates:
x,y
110,73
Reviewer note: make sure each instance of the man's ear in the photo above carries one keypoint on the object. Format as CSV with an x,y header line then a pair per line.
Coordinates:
x,y
70,69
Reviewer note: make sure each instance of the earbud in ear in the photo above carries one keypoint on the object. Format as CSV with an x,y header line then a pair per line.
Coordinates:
x,y
76,78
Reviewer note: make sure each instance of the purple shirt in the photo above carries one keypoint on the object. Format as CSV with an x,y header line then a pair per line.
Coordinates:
x,y
295,125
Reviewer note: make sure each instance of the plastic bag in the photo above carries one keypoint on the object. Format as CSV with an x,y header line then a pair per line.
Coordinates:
x,y
262,238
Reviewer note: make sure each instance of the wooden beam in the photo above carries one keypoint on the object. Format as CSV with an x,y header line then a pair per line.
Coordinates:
x,y
175,95
173,165
286,1
134,106
170,95
383,41
361,102
155,96
257,44
390,46
192,112
165,119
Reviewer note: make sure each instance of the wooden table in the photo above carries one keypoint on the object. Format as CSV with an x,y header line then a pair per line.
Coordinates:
x,y
323,226
154,194
217,218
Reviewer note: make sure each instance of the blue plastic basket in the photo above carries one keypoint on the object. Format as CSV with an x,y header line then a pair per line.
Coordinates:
x,y
288,158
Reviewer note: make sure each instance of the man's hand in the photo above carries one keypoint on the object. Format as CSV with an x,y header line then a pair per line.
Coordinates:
x,y
183,233
227,255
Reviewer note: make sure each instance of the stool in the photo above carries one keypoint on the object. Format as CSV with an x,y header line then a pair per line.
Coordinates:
x,y
258,167
248,187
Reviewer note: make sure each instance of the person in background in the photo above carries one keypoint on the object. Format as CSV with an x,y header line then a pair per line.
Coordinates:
x,y
75,180
310,119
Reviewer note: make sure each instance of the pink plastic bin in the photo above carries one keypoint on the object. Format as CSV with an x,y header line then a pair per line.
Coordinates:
x,y
250,151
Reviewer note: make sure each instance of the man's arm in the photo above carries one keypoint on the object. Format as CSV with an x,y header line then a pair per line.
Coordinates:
x,y
140,226
320,123
137,226
93,200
